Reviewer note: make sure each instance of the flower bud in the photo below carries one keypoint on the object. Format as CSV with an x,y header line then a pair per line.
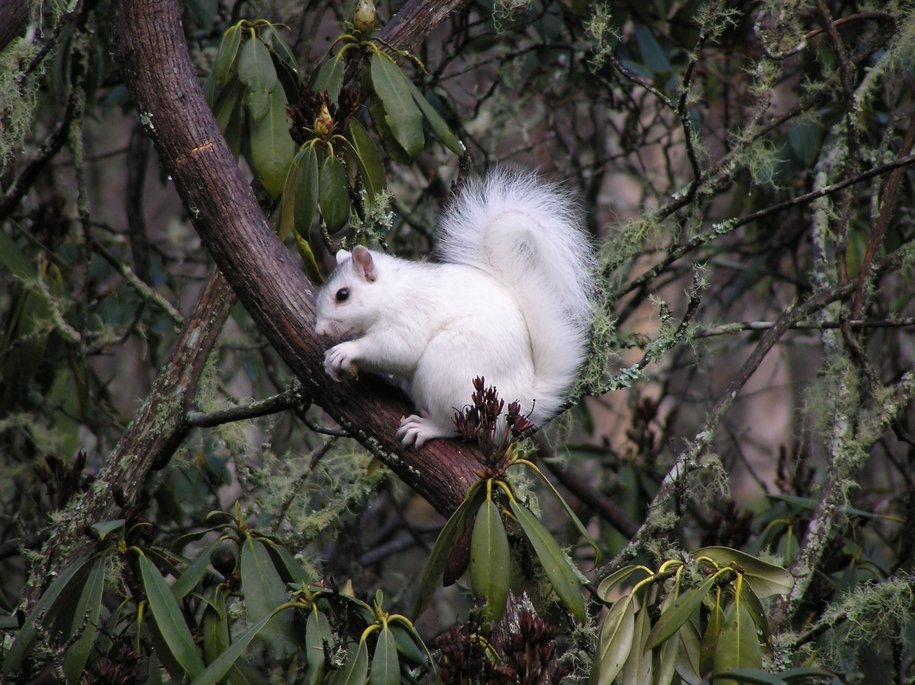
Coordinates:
x,y
324,122
364,19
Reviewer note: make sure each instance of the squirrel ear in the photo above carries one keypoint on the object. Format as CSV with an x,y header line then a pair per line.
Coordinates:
x,y
342,256
365,265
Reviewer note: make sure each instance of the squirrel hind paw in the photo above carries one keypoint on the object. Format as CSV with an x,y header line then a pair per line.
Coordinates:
x,y
420,429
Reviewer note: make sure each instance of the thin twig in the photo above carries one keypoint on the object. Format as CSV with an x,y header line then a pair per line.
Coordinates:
x,y
724,227
146,293
742,326
690,458
887,202
280,402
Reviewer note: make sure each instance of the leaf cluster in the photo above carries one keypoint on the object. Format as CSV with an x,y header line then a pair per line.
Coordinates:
x,y
665,627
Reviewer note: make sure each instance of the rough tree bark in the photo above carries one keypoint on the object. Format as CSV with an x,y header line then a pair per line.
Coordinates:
x,y
266,279
13,17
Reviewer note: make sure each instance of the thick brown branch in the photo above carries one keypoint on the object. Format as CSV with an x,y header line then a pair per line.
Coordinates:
x,y
266,278
270,284
155,432
416,20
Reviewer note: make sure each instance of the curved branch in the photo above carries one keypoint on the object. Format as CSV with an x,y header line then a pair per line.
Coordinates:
x,y
265,278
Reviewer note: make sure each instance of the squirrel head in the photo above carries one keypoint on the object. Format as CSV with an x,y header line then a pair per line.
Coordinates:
x,y
347,302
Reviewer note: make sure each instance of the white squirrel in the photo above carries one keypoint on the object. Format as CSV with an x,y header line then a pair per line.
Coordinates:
x,y
511,300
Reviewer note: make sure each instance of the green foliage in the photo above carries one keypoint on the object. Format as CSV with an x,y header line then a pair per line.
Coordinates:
x,y
484,515
716,625
249,98
297,621
336,170
696,135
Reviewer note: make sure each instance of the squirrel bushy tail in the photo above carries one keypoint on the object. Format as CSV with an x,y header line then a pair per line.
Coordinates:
x,y
527,233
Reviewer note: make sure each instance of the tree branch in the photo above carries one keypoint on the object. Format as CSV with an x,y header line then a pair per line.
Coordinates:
x,y
266,278
270,284
690,458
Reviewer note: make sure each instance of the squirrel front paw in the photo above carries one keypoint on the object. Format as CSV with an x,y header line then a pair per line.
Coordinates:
x,y
420,429
341,358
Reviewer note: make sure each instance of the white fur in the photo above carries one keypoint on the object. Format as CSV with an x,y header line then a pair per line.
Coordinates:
x,y
511,302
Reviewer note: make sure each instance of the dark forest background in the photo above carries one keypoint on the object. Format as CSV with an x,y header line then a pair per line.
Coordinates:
x,y
186,496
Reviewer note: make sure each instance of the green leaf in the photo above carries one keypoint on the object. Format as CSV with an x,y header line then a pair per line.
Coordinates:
x,y
228,101
369,159
281,49
490,560
333,194
385,662
435,121
169,619
638,667
228,51
805,138
229,114
256,70
738,644
667,657
558,569
410,645
565,505
756,676
766,579
330,76
356,669
711,635
286,563
317,635
264,591
86,618
272,149
309,262
400,111
224,662
753,676
215,625
667,661
616,635
105,528
618,577
678,613
204,11
286,221
753,606
306,189
689,655
438,557
195,571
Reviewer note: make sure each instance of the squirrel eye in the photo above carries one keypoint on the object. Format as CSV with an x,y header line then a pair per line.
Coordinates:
x,y
342,295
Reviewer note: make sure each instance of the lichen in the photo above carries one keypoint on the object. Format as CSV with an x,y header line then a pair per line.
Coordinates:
x,y
875,613
19,97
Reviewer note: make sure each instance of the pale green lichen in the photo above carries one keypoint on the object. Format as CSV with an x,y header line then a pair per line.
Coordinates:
x,y
603,33
892,71
876,613
19,97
